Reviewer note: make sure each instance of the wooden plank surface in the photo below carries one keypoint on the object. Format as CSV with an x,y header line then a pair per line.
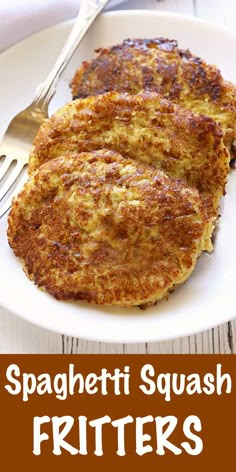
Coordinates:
x,y
18,336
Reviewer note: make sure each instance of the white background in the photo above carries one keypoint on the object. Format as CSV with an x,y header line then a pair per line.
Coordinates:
x,y
18,336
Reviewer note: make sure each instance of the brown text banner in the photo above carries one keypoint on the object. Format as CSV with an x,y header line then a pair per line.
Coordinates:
x,y
117,410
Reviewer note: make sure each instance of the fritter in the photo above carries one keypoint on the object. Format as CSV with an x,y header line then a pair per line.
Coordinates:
x,y
106,229
145,128
159,65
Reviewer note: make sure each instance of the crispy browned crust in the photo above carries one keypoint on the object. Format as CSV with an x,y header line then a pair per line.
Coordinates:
x,y
159,65
145,128
106,229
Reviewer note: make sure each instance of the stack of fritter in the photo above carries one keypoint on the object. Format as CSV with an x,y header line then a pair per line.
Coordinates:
x,y
125,181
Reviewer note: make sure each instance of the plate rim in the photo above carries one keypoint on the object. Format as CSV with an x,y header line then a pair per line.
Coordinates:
x,y
128,12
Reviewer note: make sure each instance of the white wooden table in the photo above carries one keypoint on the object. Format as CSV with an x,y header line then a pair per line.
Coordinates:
x,y
18,336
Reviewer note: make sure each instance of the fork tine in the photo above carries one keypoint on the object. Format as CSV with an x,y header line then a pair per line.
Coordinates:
x,y
5,166
4,208
12,178
7,204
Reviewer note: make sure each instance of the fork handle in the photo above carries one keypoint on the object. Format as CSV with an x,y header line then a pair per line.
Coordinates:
x,y
88,11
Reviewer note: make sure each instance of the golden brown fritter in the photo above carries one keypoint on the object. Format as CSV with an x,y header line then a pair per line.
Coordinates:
x,y
106,229
159,65
145,128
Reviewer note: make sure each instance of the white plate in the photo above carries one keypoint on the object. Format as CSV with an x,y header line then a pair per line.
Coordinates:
x,y
209,297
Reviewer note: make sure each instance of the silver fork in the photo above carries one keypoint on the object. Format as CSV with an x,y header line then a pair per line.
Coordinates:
x,y
18,138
